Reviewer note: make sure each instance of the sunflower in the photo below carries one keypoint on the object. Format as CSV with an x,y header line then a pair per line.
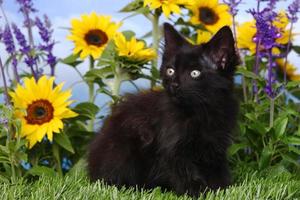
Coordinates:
x,y
167,6
203,36
211,14
133,50
247,31
91,34
245,35
291,70
41,108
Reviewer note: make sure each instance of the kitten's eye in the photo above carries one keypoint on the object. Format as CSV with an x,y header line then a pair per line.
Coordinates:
x,y
170,72
195,73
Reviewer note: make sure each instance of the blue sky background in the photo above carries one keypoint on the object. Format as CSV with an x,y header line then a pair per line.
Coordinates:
x,y
61,12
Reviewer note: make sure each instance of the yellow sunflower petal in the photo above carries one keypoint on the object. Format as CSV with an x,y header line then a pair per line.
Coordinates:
x,y
133,50
43,114
91,33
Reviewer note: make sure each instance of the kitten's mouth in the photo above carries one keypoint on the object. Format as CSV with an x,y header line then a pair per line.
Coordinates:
x,y
175,95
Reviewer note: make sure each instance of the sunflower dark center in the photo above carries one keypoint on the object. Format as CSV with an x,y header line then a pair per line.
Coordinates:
x,y
208,16
39,112
96,37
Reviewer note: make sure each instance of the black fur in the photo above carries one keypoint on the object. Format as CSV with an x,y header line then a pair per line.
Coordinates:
x,y
176,138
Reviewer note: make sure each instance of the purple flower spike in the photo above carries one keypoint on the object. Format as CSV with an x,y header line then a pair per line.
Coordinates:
x,y
266,36
293,9
26,6
45,33
25,48
8,40
233,4
43,30
11,49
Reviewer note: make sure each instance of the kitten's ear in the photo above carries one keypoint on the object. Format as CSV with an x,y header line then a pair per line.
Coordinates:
x,y
173,39
221,49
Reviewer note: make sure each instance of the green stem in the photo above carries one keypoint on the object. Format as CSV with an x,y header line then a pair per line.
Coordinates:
x,y
155,45
244,84
56,155
91,93
272,102
13,170
4,84
115,88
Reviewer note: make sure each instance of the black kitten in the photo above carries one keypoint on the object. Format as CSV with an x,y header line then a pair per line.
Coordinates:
x,y
177,138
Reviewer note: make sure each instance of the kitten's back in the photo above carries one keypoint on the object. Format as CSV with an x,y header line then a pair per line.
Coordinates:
x,y
117,148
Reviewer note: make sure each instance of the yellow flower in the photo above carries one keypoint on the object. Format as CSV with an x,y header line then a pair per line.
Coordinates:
x,y
203,36
91,34
247,31
211,14
133,49
291,70
281,20
45,108
167,6
245,35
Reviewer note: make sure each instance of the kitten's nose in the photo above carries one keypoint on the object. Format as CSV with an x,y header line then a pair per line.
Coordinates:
x,y
174,87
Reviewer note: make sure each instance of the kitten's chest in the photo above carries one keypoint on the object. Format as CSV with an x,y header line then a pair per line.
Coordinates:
x,y
178,133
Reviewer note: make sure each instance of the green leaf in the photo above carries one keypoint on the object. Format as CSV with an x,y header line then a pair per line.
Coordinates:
x,y
290,159
128,34
294,140
265,158
292,84
233,149
297,133
251,116
258,127
63,140
294,149
72,60
296,49
86,110
132,6
107,56
280,125
250,62
41,171
4,150
155,73
248,74
102,73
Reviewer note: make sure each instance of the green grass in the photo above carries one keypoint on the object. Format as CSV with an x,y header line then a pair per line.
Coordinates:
x,y
250,185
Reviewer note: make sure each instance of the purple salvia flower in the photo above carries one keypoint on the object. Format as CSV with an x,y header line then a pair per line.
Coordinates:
x,y
25,48
11,49
47,22
30,61
45,33
8,40
26,6
1,34
293,9
43,30
233,4
267,34
272,4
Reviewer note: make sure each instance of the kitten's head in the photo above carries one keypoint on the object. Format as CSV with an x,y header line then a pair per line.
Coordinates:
x,y
190,72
